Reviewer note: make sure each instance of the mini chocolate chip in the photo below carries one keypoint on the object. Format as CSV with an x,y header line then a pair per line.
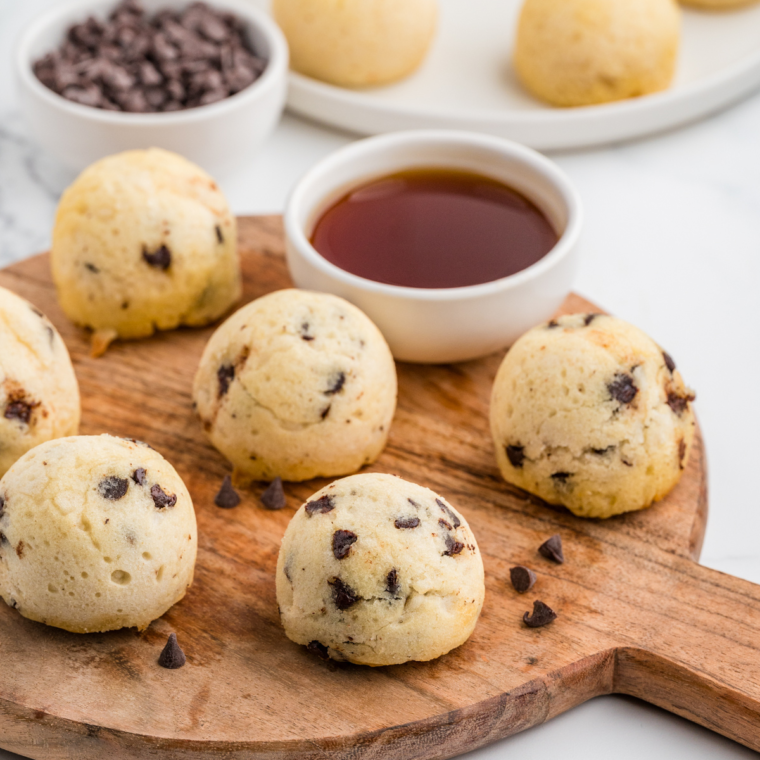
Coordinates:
x,y
139,476
172,656
444,524
522,578
113,488
342,541
455,521
392,585
337,382
602,452
552,549
228,497
622,388
452,547
19,410
219,236
413,503
516,455
160,258
323,414
343,595
20,550
320,650
589,318
405,523
676,402
91,267
225,374
305,332
669,363
321,505
542,615
162,499
553,324
681,455
3,538
561,477
274,495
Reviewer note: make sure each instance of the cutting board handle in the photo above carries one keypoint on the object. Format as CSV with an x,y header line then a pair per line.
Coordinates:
x,y
702,653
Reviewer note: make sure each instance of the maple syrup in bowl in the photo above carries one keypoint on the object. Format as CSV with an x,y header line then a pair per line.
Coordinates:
x,y
453,243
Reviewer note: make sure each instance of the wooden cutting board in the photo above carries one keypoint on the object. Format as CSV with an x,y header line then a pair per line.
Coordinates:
x,y
637,615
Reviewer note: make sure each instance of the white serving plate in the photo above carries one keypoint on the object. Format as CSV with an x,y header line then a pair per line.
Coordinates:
x,y
467,82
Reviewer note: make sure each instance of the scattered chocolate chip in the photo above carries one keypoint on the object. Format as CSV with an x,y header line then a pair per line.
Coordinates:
x,y
228,497
452,547
162,499
445,525
113,487
343,595
407,523
320,650
681,456
321,505
172,656
676,402
669,363
3,538
392,585
455,521
542,615
522,578
342,541
91,267
516,455
552,549
413,503
139,476
19,410
589,318
274,495
20,550
225,374
336,384
622,388
551,325
323,414
306,332
160,258
602,452
219,236
561,477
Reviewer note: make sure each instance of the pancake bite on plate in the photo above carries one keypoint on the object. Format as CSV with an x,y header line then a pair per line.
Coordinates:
x,y
590,413
585,52
359,42
39,395
96,533
144,241
296,385
379,571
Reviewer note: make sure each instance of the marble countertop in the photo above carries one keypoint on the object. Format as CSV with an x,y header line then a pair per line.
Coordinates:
x,y
672,244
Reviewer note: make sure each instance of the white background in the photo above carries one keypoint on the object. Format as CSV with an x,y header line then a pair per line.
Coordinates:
x,y
672,244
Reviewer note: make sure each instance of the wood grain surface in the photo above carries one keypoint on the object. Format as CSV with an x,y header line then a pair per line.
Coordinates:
x,y
637,615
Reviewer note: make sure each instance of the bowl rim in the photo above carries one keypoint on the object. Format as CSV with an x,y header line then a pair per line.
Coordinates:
x,y
275,71
528,157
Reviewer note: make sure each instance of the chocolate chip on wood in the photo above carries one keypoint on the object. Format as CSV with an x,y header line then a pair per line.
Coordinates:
x,y
172,656
274,495
227,497
552,549
542,615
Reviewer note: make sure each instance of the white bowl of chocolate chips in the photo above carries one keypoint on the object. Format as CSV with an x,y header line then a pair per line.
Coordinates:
x,y
97,77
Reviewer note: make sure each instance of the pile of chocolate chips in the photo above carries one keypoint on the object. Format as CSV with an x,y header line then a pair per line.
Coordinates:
x,y
170,62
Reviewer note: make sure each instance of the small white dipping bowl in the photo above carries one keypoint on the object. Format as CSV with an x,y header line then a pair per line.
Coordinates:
x,y
444,325
217,137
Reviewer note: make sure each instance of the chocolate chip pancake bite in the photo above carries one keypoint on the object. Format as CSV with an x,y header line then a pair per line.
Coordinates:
x,y
589,412
96,533
379,571
39,395
296,385
356,44
144,241
584,52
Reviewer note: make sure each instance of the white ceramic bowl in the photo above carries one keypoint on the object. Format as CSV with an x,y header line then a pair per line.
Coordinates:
x,y
217,137
453,324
